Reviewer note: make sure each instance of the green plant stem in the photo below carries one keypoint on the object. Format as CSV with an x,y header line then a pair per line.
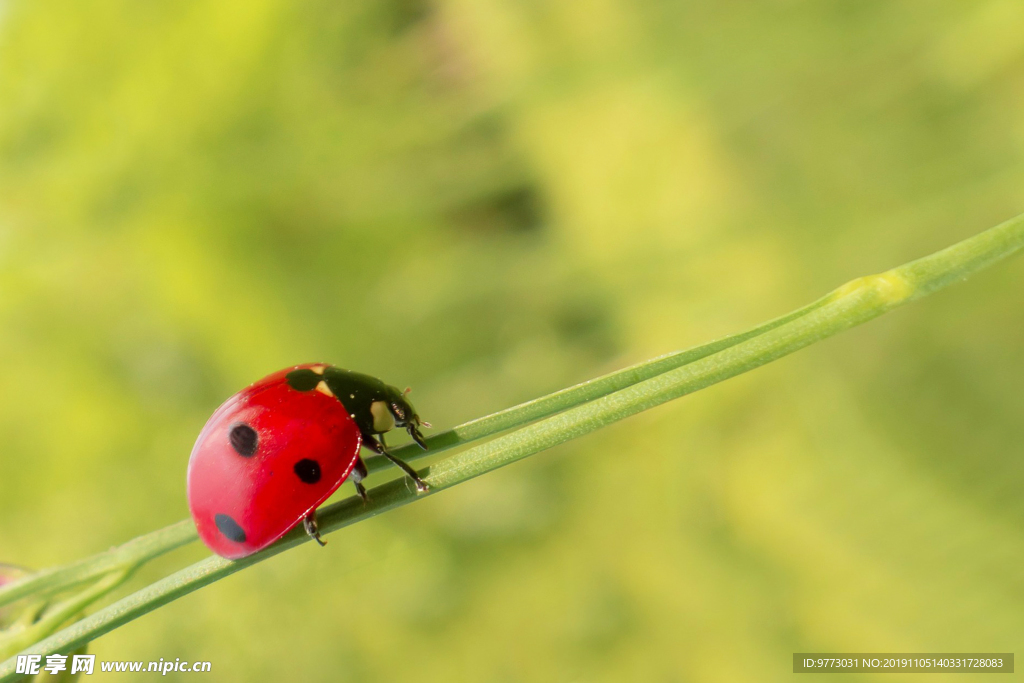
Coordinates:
x,y
156,543
852,304
132,553
564,399
55,615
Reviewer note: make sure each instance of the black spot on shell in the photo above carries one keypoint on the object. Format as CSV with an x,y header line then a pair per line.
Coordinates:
x,y
244,439
229,527
308,470
303,379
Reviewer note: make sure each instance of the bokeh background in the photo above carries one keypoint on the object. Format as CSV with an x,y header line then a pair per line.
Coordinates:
x,y
491,200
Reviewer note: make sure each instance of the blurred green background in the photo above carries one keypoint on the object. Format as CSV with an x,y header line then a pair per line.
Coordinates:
x,y
488,201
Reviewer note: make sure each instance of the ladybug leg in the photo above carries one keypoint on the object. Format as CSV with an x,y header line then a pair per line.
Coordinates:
x,y
358,474
376,446
309,524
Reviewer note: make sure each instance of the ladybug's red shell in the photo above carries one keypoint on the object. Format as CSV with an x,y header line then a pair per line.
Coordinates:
x,y
266,458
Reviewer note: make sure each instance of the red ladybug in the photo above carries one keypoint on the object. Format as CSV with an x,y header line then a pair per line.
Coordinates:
x,y
273,452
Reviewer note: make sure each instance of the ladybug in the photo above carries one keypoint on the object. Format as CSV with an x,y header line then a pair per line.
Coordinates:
x,y
273,452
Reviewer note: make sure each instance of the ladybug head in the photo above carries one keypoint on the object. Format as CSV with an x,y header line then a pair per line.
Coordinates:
x,y
405,415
